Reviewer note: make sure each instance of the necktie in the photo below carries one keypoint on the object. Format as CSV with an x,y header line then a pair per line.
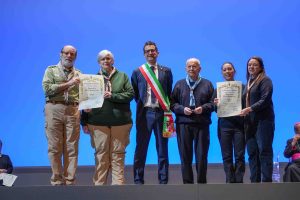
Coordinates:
x,y
153,98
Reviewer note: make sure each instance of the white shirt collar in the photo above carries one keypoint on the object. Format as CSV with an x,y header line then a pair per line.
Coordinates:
x,y
155,66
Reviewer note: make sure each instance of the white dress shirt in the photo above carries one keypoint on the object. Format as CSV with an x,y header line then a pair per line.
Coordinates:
x,y
148,100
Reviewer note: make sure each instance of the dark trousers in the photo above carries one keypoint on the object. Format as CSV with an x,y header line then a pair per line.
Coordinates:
x,y
260,151
152,121
292,172
193,138
232,142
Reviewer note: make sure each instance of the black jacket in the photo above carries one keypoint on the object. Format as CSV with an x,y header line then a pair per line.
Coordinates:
x,y
5,163
180,99
261,101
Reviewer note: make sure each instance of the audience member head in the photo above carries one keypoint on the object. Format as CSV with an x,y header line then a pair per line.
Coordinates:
x,y
297,128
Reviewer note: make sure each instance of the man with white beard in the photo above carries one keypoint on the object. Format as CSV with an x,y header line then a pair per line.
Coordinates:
x,y
62,117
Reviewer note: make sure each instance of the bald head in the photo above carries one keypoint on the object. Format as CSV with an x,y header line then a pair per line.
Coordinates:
x,y
193,68
297,128
68,56
68,48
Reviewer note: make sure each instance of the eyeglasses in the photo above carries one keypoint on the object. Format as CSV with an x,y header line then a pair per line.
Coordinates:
x,y
69,53
192,67
150,50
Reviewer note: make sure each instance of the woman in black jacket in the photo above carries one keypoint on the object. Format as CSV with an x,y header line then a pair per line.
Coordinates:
x,y
259,121
231,136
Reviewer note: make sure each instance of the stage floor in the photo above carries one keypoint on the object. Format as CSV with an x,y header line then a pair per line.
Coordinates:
x,y
29,176
33,184
272,191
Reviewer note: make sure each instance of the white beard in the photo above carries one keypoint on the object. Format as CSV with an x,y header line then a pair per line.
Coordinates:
x,y
67,63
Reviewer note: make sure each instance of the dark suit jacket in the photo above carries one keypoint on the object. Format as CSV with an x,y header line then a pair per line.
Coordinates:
x,y
139,84
5,163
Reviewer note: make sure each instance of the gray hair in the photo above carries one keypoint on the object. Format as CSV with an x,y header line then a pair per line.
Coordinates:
x,y
104,53
193,60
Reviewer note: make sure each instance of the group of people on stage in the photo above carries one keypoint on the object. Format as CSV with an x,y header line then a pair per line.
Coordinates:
x,y
192,100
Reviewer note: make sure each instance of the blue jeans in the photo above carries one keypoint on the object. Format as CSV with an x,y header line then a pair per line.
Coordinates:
x,y
260,151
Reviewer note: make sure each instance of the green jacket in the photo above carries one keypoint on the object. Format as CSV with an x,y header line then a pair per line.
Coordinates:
x,y
116,110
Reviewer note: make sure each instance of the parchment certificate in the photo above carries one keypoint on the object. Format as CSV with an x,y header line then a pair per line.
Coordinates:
x,y
229,94
91,91
8,179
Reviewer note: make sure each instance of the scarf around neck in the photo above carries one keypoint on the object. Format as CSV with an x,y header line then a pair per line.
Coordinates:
x,y
107,78
192,97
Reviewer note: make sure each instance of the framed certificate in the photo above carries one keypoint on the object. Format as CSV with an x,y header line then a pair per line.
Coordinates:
x,y
91,91
229,94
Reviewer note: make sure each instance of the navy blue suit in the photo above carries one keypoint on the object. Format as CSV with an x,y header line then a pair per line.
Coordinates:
x,y
148,120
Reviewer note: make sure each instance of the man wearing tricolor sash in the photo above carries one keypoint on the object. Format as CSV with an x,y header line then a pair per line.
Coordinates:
x,y
191,102
152,84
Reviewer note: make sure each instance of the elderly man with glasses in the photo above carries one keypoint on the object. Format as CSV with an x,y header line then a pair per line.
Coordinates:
x,y
62,117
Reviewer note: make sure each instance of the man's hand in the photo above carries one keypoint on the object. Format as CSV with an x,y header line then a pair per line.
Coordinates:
x,y
295,139
198,110
216,101
74,81
187,111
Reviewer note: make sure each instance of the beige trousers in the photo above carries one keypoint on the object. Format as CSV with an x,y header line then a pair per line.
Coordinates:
x,y
62,131
109,144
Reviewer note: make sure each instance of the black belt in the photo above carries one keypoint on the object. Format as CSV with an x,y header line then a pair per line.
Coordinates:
x,y
64,103
155,109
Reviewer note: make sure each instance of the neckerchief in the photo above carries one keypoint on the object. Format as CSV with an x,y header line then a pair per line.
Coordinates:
x,y
249,86
107,77
192,97
66,78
